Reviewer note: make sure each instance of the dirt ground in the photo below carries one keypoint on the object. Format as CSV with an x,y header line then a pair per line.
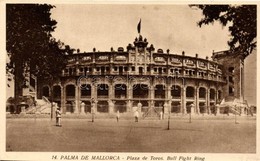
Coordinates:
x,y
107,135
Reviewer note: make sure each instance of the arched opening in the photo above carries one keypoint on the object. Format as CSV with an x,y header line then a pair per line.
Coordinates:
x,y
212,108
158,104
87,107
219,95
144,105
120,91
176,107
69,106
45,91
176,91
188,107
202,107
159,91
202,93
102,90
121,106
56,92
70,91
102,106
140,91
190,92
212,94
85,90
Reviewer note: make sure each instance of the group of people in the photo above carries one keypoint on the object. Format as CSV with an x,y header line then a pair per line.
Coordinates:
x,y
58,115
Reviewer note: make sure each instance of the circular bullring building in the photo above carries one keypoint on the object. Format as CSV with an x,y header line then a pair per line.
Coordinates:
x,y
140,77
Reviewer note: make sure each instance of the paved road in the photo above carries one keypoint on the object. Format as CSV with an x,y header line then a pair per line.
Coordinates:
x,y
106,135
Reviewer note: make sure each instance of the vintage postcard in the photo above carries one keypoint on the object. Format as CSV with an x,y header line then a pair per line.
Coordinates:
x,y
129,80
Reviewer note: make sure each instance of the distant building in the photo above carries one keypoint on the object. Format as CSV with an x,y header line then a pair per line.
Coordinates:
x,y
120,80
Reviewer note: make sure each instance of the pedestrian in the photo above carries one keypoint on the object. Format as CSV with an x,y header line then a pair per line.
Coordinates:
x,y
117,116
58,117
136,115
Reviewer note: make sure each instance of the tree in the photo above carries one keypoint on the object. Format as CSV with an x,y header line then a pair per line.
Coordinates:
x,y
241,20
30,45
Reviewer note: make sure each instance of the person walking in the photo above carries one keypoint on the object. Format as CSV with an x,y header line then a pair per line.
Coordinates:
x,y
58,117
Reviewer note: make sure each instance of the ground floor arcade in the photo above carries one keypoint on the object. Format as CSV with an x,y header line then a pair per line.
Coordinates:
x,y
107,95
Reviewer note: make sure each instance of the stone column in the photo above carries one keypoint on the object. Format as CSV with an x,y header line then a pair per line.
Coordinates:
x,y
129,105
139,107
217,109
197,101
208,102
111,106
184,110
129,90
129,96
63,100
82,108
216,98
168,92
170,105
192,109
94,96
76,108
151,92
166,109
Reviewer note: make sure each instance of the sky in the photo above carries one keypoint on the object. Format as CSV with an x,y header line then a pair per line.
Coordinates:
x,y
174,27
104,26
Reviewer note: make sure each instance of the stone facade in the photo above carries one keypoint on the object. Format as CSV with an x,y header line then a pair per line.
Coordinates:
x,y
142,78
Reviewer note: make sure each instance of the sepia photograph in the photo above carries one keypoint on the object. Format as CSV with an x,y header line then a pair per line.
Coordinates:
x,y
129,81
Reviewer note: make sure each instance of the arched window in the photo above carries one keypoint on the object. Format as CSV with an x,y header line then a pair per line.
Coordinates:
x,y
140,91
159,91
45,91
212,94
190,92
120,91
56,91
85,90
202,92
70,90
102,106
102,90
176,91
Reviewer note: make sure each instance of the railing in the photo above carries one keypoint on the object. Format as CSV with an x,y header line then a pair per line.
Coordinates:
x,y
46,99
